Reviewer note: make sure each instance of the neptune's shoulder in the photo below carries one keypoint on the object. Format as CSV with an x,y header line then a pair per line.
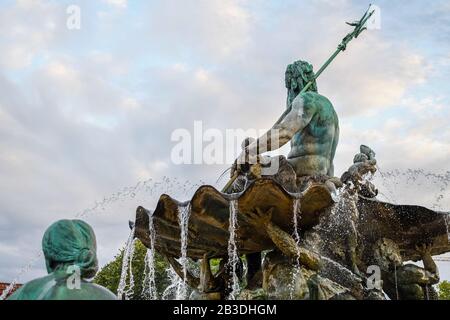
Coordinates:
x,y
314,97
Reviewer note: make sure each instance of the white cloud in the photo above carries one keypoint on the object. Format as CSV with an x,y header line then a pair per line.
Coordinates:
x,y
27,29
218,28
368,76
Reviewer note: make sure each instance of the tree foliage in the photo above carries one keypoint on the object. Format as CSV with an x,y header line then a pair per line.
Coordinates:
x,y
444,290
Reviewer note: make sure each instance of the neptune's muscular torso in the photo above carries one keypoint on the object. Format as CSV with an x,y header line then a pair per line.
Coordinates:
x,y
314,146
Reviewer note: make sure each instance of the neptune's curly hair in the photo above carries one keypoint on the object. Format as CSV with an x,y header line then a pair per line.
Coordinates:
x,y
297,75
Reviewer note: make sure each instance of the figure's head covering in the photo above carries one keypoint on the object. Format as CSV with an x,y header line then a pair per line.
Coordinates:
x,y
71,242
297,75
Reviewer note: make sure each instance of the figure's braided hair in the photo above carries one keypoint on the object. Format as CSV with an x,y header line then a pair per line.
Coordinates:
x,y
71,242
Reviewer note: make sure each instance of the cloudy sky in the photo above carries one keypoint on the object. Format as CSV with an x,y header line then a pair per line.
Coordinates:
x,y
85,115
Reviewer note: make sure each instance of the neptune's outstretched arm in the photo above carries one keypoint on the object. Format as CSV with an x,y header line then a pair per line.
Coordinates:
x,y
282,132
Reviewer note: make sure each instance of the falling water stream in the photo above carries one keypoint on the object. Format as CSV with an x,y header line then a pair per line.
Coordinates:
x,y
149,286
296,236
184,212
295,218
233,257
447,222
127,273
396,281
170,292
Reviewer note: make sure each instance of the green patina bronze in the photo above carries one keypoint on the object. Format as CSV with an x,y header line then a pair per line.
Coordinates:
x,y
315,136
69,248
309,123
